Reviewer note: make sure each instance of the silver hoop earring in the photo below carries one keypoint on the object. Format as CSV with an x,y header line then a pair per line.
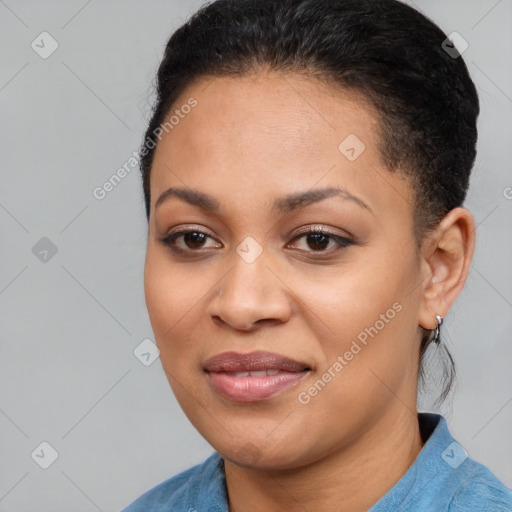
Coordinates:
x,y
437,330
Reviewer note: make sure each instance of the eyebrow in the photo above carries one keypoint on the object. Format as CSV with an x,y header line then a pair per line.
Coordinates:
x,y
283,205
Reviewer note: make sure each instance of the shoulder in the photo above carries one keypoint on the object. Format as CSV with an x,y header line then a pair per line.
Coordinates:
x,y
457,482
444,478
181,491
481,491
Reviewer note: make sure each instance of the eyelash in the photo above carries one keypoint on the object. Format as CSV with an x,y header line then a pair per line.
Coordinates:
x,y
340,241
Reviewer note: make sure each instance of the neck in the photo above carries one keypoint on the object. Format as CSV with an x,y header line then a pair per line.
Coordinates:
x,y
351,479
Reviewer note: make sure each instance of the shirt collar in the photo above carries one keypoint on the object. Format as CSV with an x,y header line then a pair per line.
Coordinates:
x,y
212,487
427,466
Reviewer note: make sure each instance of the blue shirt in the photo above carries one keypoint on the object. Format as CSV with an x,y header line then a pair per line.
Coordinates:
x,y
441,479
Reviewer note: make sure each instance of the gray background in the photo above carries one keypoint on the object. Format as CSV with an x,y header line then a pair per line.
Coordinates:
x,y
68,375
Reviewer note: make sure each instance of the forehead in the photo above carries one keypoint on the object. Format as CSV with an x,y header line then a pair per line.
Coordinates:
x,y
287,113
270,133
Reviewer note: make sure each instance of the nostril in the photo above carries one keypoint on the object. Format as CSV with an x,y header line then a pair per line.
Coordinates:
x,y
217,320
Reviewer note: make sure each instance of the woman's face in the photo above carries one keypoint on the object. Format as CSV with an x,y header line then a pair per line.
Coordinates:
x,y
270,151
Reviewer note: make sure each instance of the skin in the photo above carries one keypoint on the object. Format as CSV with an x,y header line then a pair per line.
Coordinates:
x,y
248,142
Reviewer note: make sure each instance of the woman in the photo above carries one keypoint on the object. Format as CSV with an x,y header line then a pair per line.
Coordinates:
x,y
304,173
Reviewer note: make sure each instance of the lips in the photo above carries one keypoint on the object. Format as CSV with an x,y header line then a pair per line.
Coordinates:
x,y
252,361
253,376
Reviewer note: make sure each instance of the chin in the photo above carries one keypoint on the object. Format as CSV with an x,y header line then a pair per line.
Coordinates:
x,y
261,454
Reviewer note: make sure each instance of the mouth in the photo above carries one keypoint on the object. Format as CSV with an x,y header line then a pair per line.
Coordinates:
x,y
253,376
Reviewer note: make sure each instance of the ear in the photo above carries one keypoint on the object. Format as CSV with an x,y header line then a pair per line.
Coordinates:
x,y
446,257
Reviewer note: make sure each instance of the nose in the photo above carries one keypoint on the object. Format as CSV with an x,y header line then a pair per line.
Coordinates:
x,y
250,294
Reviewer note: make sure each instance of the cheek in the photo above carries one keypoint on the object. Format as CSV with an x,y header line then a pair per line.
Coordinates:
x,y
171,299
172,302
348,299
368,329
364,314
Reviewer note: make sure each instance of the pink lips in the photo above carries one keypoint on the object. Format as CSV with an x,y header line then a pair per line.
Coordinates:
x,y
253,376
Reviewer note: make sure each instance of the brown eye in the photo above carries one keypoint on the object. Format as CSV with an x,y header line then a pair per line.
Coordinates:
x,y
194,239
187,240
318,240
